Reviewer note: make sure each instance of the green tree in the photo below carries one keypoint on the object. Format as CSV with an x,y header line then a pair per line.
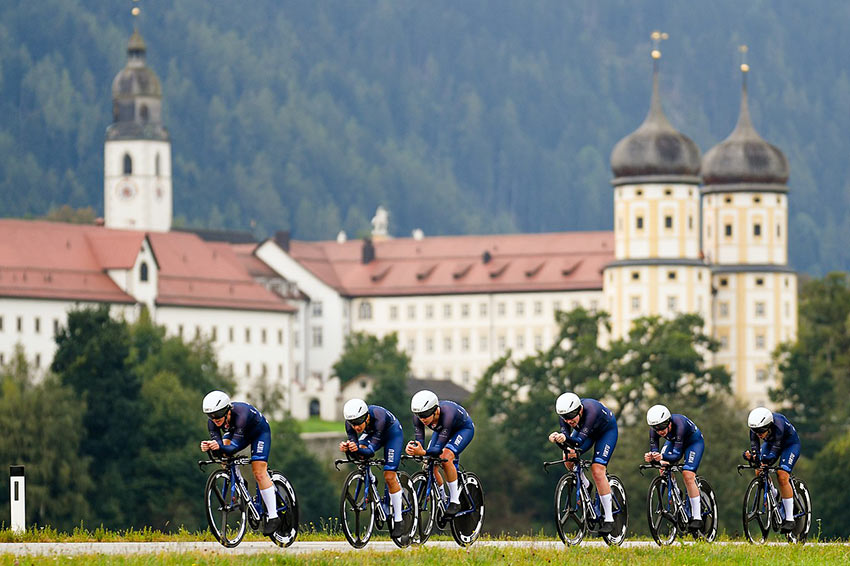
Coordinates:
x,y
42,420
379,358
825,479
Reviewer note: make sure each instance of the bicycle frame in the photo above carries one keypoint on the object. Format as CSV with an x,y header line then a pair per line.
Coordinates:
x,y
429,465
767,488
682,512
592,508
370,483
238,485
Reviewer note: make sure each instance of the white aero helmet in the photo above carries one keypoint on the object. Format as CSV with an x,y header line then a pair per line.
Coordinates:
x,y
216,404
568,405
658,415
424,403
355,411
760,418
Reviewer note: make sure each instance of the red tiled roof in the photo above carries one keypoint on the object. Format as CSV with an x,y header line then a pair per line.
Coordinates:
x,y
54,260
560,261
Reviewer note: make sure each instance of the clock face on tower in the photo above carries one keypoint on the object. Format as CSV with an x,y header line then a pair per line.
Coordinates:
x,y
126,190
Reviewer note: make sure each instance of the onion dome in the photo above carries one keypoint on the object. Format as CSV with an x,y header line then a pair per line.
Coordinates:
x,y
744,158
656,151
136,98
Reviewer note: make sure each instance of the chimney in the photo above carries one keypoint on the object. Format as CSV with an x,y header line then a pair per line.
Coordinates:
x,y
368,250
281,237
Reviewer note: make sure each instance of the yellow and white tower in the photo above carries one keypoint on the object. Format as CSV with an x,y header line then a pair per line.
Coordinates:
x,y
658,268
745,236
137,153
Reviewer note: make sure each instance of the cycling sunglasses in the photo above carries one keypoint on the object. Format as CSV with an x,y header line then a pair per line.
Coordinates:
x,y
762,429
572,414
426,414
359,420
219,414
661,426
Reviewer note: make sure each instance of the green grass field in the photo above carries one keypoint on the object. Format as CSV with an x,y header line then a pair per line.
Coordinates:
x,y
707,554
317,425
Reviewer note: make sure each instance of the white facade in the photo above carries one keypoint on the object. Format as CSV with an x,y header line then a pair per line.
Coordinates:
x,y
137,184
746,228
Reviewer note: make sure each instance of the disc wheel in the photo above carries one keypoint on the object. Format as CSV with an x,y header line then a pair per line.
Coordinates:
x,y
802,512
708,504
287,510
409,511
466,525
427,501
620,510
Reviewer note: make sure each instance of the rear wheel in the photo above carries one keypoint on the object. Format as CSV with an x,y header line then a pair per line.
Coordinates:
x,y
709,510
466,525
661,512
356,510
802,512
756,514
287,510
620,509
427,502
569,511
226,511
409,511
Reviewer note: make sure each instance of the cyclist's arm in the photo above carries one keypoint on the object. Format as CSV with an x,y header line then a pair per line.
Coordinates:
x,y
653,440
418,430
447,419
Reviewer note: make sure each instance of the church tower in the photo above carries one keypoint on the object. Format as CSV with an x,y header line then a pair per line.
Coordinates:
x,y
137,153
745,235
657,267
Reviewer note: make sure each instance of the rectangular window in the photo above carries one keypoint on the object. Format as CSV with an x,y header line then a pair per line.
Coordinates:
x,y
215,333
757,230
636,275
671,275
247,335
761,375
639,223
38,360
20,324
37,325
760,308
429,344
502,342
482,309
538,307
447,344
411,345
635,304
280,336
668,222
429,311
759,341
263,370
296,339
180,331
411,312
197,332
556,306
520,309
280,371
464,310
393,312
724,342
316,333
500,309
520,342
728,230
538,341
464,343
2,359
672,303
482,343
316,309
55,326
447,310
230,334
263,336
248,369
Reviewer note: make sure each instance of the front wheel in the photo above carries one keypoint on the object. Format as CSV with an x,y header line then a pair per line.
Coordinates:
x,y
620,509
226,511
466,525
661,512
802,512
427,501
569,511
756,514
709,510
357,510
287,510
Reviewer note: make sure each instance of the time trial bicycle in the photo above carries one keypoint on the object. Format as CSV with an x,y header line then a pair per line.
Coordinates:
x,y
667,510
578,509
362,508
764,511
465,524
231,509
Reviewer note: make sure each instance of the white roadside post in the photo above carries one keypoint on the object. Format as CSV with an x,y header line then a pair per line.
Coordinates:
x,y
17,493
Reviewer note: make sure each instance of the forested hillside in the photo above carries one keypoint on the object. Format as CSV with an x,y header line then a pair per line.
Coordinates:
x,y
459,117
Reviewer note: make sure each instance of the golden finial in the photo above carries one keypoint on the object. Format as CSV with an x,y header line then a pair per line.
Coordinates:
x,y
744,67
135,11
657,37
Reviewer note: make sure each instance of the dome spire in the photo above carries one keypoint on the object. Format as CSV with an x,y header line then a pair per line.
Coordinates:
x,y
745,158
656,150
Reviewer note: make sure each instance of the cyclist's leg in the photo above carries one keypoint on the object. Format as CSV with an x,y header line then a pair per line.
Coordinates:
x,y
692,457
392,454
260,448
457,442
786,463
603,449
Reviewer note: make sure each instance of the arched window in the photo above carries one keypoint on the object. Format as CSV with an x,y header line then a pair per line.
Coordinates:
x,y
128,164
365,311
156,165
143,271
143,113
315,408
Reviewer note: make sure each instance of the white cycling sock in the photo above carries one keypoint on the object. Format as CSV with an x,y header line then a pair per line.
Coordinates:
x,y
696,510
442,491
789,508
606,506
584,481
395,499
454,493
269,501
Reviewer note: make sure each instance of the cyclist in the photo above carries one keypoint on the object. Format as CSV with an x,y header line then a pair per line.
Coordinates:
x,y
586,422
368,428
243,425
453,430
683,438
780,443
